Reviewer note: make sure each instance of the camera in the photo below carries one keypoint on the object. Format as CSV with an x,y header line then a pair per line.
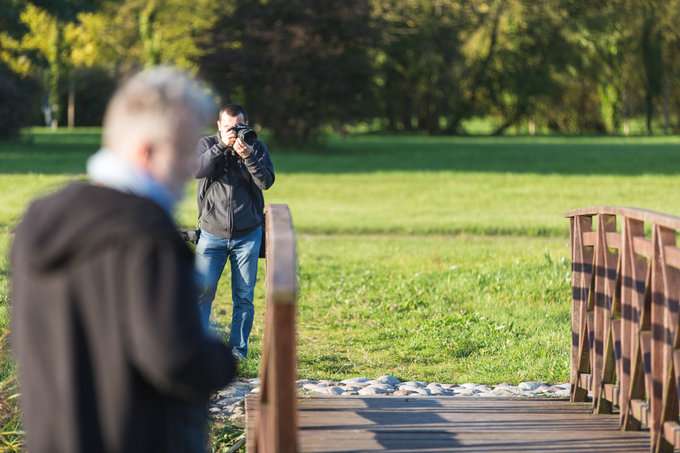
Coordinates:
x,y
245,133
191,235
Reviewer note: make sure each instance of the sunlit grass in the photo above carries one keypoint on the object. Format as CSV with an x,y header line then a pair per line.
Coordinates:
x,y
437,259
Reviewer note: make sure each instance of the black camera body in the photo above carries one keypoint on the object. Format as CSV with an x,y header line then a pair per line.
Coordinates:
x,y
245,133
191,235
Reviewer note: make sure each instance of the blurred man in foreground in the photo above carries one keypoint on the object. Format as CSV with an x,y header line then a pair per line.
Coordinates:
x,y
112,353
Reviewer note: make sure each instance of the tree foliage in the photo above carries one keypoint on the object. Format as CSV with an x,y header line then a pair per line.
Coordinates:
x,y
297,64
304,67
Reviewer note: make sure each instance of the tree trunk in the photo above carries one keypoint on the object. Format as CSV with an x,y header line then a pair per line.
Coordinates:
x,y
666,108
71,102
56,70
509,122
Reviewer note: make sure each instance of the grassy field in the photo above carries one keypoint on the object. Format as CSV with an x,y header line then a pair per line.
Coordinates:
x,y
438,259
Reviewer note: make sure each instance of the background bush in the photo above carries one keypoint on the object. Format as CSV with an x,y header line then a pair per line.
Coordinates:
x,y
19,102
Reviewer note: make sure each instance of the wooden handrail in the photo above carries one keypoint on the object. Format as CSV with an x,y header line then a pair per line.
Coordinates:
x,y
274,428
625,347
644,215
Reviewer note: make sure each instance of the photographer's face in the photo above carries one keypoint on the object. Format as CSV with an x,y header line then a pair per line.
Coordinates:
x,y
225,123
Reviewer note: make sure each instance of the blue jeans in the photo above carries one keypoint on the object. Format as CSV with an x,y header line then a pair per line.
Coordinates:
x,y
212,253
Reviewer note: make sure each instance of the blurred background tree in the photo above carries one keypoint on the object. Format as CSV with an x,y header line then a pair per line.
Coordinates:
x,y
298,65
304,68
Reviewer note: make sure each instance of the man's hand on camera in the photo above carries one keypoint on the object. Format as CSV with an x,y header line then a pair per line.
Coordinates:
x,y
228,138
242,148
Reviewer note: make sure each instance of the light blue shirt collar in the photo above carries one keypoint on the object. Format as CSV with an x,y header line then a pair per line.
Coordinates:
x,y
108,169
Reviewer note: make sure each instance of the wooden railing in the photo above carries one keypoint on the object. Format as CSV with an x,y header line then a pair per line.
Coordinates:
x,y
625,348
273,427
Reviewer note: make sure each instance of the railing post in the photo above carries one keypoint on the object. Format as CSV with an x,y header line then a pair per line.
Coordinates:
x,y
582,268
274,428
633,270
604,288
662,330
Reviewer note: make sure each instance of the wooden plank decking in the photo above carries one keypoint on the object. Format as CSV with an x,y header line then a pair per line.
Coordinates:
x,y
441,424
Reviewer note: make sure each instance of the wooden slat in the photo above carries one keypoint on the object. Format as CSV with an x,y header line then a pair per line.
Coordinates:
x,y
646,350
445,424
643,247
672,256
614,240
611,393
676,365
585,381
671,432
617,326
640,411
589,238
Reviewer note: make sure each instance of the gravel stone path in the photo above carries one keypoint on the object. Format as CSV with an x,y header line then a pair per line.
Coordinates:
x,y
227,404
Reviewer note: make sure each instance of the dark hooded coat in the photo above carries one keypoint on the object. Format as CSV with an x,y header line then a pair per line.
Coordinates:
x,y
111,351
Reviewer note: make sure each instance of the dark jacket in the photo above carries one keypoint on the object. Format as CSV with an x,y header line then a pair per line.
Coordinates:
x,y
233,206
111,351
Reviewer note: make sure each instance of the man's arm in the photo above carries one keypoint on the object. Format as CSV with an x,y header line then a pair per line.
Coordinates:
x,y
260,166
210,155
166,340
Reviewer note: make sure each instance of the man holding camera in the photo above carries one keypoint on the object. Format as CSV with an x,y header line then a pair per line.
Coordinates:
x,y
234,168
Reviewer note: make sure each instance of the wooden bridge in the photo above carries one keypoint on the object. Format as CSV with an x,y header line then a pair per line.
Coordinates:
x,y
625,361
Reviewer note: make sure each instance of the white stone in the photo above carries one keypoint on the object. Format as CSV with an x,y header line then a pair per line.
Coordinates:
x,y
408,388
385,387
464,393
483,388
424,391
372,390
500,391
355,380
529,385
437,391
386,379
415,383
486,395
350,388
335,390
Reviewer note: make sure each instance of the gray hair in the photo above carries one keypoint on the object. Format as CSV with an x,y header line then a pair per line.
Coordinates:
x,y
152,105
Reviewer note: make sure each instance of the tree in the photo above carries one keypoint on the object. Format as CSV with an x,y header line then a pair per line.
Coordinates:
x,y
17,100
297,65
426,68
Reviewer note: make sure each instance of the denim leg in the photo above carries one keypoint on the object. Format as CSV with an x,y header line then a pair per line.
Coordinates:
x,y
211,256
243,257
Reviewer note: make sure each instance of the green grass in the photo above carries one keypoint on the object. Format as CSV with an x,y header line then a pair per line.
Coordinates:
x,y
439,309
438,259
